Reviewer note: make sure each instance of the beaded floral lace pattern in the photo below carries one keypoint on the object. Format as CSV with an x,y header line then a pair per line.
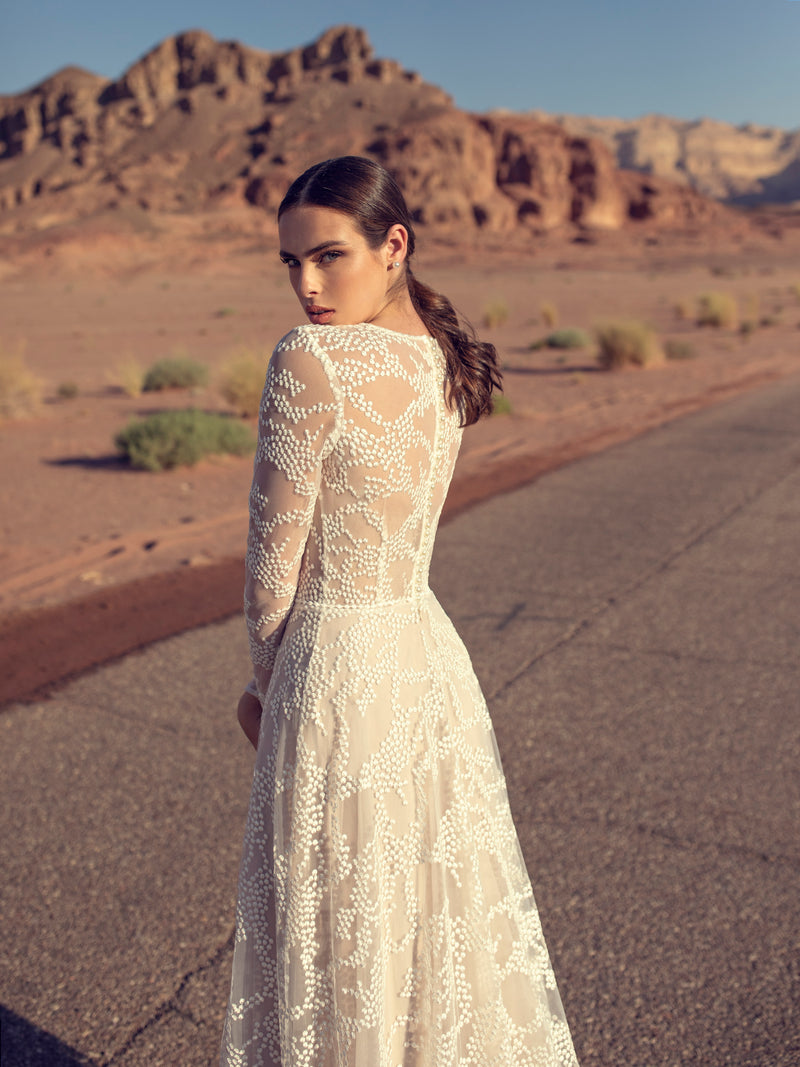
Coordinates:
x,y
385,915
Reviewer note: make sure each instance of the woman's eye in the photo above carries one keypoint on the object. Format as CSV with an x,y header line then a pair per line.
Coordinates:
x,y
289,262
329,257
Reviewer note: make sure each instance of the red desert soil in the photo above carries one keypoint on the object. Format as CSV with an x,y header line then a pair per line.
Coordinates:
x,y
98,559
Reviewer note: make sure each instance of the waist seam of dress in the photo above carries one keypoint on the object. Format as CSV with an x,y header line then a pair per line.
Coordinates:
x,y
348,608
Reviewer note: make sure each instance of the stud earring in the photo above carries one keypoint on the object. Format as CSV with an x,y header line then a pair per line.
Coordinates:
x,y
396,264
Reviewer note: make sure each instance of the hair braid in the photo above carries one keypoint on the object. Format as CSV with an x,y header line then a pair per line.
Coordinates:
x,y
472,368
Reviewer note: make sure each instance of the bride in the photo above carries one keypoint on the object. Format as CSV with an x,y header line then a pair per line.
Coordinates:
x,y
385,916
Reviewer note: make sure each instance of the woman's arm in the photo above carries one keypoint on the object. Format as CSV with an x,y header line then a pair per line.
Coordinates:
x,y
249,714
297,424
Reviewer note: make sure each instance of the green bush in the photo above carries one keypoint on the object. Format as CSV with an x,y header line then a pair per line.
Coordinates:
x,y
719,310
242,383
501,405
176,373
568,337
67,391
627,341
180,438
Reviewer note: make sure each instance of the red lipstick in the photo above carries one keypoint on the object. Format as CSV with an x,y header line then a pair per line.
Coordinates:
x,y
318,314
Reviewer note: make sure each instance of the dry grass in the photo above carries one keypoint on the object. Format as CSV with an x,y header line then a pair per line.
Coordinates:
x,y
719,310
129,377
495,313
20,388
625,342
241,382
549,314
685,309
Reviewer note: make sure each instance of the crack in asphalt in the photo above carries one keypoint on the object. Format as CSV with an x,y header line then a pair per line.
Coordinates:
x,y
171,1005
591,617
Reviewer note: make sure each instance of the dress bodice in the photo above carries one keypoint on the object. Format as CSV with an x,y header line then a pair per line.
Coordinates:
x,y
356,450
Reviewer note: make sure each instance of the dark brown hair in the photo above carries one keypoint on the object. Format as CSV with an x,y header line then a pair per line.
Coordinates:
x,y
364,191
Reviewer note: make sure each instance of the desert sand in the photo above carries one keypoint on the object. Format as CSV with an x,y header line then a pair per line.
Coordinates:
x,y
97,558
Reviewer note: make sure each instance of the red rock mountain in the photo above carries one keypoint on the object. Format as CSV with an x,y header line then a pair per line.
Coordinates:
x,y
198,123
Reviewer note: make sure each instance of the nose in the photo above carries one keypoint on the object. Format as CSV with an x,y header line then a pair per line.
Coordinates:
x,y
308,282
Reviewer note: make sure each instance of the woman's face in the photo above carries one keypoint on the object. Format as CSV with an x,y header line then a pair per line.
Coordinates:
x,y
338,278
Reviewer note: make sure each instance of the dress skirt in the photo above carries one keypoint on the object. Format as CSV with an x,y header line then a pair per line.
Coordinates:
x,y
385,916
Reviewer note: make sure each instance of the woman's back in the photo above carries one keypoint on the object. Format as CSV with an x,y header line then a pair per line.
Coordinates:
x,y
371,404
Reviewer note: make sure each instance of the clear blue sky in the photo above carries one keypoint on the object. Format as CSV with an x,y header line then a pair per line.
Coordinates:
x,y
736,60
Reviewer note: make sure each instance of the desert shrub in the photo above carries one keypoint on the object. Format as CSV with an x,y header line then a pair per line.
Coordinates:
x,y
180,438
747,327
175,373
129,377
67,391
242,383
627,341
685,309
549,314
568,337
770,320
224,313
717,309
795,290
676,349
20,389
501,405
495,314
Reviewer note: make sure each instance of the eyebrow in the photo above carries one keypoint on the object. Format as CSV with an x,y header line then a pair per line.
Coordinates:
x,y
314,250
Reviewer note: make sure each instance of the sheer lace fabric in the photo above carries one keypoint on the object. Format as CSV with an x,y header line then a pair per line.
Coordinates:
x,y
385,916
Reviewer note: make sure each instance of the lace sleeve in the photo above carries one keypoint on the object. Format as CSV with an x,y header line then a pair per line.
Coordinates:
x,y
297,430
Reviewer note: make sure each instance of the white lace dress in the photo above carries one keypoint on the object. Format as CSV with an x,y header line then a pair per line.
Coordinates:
x,y
385,916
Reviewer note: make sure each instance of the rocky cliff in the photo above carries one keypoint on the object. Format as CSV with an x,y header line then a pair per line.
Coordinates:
x,y
197,124
745,164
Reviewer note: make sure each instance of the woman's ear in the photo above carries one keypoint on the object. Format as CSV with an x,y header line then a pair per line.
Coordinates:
x,y
396,246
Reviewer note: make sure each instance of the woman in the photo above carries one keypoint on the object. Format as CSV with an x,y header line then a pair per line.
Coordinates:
x,y
385,916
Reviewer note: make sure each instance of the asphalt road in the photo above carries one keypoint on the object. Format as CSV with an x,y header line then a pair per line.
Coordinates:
x,y
634,619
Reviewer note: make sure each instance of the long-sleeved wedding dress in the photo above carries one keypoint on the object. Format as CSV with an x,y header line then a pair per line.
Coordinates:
x,y
385,915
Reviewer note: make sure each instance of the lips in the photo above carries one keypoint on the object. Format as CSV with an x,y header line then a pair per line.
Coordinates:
x,y
318,314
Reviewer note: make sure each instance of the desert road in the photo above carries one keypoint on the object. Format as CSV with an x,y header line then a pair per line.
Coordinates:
x,y
634,619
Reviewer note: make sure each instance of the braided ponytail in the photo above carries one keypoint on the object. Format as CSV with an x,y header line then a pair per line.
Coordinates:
x,y
364,191
472,369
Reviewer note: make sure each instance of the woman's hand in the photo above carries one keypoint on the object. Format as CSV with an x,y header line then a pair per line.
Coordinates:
x,y
249,715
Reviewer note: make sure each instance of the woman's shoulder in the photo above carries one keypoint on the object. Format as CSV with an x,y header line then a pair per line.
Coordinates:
x,y
361,337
